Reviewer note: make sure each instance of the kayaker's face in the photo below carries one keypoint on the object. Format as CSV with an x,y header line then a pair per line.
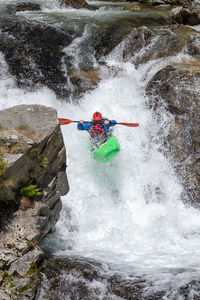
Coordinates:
x,y
97,121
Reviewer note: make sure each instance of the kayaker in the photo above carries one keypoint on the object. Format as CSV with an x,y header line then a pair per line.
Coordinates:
x,y
99,128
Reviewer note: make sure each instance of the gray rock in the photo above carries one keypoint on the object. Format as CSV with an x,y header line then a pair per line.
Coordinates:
x,y
147,44
179,86
26,221
157,2
24,6
4,296
176,14
23,264
74,3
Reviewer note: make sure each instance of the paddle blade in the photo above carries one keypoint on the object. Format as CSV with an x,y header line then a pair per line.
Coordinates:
x,y
129,124
64,121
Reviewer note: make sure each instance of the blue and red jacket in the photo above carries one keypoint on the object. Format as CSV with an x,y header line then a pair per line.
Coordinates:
x,y
97,129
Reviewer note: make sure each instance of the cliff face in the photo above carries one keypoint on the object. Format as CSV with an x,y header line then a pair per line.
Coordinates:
x,y
32,179
178,86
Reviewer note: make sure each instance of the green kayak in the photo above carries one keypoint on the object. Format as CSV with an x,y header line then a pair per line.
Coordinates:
x,y
106,151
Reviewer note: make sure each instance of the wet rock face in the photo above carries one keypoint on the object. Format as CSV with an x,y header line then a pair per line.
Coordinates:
x,y
188,13
24,6
37,57
178,85
74,3
32,157
34,54
78,278
147,44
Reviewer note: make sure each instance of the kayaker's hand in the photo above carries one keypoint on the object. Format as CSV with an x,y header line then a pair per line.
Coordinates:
x,y
106,122
81,121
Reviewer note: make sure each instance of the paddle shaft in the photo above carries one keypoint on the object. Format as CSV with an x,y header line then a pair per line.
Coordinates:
x,y
67,121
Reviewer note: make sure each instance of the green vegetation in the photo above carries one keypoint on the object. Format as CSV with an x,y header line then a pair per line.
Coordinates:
x,y
44,163
34,152
5,184
33,269
25,129
30,191
8,279
23,126
3,165
18,150
24,288
2,126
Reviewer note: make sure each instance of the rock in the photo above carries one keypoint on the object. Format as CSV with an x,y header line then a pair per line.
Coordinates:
x,y
176,14
108,38
189,13
193,18
146,44
24,6
38,55
74,3
178,85
157,2
112,1
26,220
84,80
34,54
4,296
132,6
23,264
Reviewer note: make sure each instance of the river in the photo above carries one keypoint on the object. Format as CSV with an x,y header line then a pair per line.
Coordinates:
x,y
127,214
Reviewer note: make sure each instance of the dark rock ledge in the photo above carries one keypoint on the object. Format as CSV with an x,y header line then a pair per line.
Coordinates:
x,y
178,85
32,154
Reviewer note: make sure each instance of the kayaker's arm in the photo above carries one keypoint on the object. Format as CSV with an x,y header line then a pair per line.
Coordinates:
x,y
83,125
108,124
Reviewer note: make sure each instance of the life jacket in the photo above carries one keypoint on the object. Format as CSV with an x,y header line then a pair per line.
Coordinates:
x,y
97,131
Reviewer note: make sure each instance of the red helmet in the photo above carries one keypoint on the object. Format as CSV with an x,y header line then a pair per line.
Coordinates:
x,y
97,116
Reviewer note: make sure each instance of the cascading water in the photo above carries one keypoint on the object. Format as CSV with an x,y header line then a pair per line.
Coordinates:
x,y
128,213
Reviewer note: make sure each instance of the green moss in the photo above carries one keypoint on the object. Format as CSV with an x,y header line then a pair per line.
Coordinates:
x,y
18,150
34,153
24,288
30,191
5,185
44,163
2,126
3,166
8,279
33,269
32,243
23,126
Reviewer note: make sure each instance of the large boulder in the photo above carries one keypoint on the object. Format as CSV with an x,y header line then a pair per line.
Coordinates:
x,y
23,6
74,3
149,44
34,54
179,86
188,13
32,179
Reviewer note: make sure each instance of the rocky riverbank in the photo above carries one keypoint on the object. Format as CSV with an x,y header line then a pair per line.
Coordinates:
x,y
32,179
32,153
176,87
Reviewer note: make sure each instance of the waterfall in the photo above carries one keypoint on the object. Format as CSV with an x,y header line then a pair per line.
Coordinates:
x,y
127,213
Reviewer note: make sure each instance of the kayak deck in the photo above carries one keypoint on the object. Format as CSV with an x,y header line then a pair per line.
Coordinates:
x,y
106,151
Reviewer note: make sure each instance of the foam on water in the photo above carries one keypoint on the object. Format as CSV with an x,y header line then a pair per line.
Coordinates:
x,y
128,212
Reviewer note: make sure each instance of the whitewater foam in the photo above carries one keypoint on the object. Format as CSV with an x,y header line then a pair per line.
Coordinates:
x,y
127,213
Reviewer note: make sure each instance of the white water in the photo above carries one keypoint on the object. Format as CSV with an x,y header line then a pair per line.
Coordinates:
x,y
127,213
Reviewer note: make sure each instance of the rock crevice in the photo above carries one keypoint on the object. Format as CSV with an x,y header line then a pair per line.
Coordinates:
x,y
32,179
